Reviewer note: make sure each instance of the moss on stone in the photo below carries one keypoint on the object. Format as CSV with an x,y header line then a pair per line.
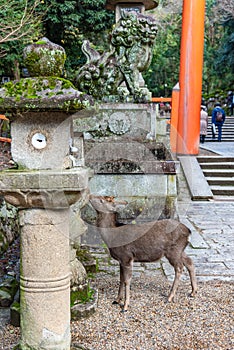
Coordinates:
x,y
41,94
30,87
44,58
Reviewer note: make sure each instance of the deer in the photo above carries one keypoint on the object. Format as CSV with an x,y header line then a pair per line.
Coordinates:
x,y
146,242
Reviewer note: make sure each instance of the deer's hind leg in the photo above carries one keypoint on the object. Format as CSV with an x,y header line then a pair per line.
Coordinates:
x,y
188,263
175,259
124,286
178,272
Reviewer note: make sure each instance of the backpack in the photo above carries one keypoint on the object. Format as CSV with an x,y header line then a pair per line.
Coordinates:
x,y
219,116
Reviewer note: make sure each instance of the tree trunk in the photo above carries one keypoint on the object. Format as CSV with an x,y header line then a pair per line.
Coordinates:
x,y
16,70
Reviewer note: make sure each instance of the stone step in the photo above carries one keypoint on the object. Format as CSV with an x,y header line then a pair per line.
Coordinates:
x,y
222,190
218,172
225,138
225,131
220,181
210,159
228,119
221,198
217,165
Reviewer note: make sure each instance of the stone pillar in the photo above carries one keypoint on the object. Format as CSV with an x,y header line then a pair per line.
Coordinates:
x,y
45,279
44,199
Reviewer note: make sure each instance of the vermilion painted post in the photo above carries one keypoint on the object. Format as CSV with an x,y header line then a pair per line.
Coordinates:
x,y
174,117
191,63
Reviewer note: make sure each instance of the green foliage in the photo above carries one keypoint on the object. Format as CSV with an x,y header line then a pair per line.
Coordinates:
x,y
13,56
19,25
163,72
67,23
225,61
82,296
219,49
218,68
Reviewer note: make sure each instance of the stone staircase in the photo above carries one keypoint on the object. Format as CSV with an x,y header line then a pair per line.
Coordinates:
x,y
219,170
219,173
227,132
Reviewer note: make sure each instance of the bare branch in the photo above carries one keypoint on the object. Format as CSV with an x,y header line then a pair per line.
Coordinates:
x,y
16,25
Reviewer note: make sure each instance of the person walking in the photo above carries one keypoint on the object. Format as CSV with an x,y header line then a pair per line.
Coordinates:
x,y
218,119
203,123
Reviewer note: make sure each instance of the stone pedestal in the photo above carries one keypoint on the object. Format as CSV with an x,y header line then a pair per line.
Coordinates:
x,y
44,199
45,279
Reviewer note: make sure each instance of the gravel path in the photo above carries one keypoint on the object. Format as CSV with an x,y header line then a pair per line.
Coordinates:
x,y
204,322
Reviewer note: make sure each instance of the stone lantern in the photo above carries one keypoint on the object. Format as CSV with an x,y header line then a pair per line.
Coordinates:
x,y
43,186
130,5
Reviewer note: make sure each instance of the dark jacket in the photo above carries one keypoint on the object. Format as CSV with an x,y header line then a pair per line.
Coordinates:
x,y
215,110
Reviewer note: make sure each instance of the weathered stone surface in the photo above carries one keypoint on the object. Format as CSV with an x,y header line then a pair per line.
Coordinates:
x,y
9,227
129,185
128,119
71,179
45,279
41,114
78,274
44,189
148,4
127,161
130,53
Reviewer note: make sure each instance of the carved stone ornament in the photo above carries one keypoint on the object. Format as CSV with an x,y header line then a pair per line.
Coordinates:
x,y
41,199
119,123
130,53
44,58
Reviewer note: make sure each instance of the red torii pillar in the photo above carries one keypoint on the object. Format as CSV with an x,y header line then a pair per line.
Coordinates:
x,y
190,80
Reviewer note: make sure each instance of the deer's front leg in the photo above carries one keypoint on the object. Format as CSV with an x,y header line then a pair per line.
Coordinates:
x,y
121,287
127,275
